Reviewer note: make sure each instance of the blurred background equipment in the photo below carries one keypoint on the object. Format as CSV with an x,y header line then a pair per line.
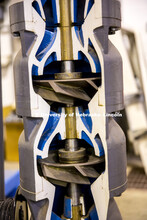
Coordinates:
x,y
2,188
131,43
9,137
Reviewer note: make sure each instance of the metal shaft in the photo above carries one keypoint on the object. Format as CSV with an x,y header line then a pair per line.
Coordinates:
x,y
70,121
67,65
65,29
71,145
74,193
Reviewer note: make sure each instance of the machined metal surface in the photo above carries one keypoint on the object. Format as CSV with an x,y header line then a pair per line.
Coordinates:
x,y
52,160
74,193
65,29
76,211
67,66
68,175
68,75
71,144
70,122
69,172
68,71
70,156
49,95
67,91
88,171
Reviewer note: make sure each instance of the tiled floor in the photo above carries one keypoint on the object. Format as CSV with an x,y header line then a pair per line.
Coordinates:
x,y
133,204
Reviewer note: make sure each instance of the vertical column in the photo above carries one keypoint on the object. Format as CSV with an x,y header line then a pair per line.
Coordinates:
x,y
2,186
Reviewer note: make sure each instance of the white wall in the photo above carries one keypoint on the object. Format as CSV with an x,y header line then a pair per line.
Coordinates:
x,y
8,51
134,14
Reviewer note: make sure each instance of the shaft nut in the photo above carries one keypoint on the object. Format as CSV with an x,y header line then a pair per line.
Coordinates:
x,y
70,157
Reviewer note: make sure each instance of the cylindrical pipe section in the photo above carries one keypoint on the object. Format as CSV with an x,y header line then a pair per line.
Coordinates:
x,y
65,28
70,122
74,193
67,66
76,213
71,145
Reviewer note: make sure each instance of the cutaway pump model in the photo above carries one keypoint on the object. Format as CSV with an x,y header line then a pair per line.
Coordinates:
x,y
68,79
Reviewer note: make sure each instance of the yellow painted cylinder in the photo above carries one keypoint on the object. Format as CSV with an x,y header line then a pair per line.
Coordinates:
x,y
65,28
70,122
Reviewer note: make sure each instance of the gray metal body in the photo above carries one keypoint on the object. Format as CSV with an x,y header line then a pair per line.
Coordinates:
x,y
103,19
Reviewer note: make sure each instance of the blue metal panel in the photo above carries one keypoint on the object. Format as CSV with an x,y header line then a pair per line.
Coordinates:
x,y
79,34
34,70
49,128
55,217
86,138
100,145
75,10
67,207
93,214
94,56
86,118
36,7
90,4
51,58
54,11
46,44
11,182
43,2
